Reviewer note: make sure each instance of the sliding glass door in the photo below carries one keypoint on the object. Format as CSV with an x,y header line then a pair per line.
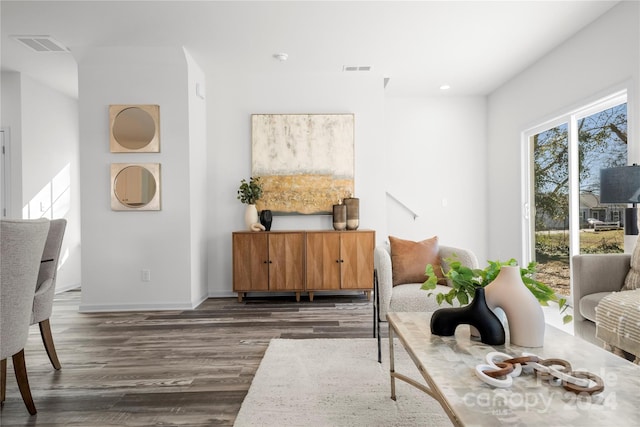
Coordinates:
x,y
550,149
563,188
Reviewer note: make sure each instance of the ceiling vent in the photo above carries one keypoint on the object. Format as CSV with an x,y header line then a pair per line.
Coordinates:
x,y
356,68
41,43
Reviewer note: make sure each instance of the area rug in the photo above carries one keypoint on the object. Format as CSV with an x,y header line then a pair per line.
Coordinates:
x,y
334,382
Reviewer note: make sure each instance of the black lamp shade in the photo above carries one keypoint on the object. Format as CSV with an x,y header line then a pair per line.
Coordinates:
x,y
620,185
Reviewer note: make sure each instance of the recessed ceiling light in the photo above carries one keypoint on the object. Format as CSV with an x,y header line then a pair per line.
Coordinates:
x,y
445,87
281,56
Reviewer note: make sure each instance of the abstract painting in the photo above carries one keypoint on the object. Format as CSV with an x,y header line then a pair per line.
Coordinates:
x,y
305,161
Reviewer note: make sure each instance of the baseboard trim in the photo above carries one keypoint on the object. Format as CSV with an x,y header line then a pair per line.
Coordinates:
x,y
101,308
61,289
222,294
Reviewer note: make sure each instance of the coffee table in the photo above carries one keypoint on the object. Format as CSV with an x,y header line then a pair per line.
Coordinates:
x,y
447,365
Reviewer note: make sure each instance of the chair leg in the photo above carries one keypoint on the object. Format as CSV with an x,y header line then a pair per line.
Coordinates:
x,y
3,379
375,306
376,314
379,345
20,369
47,339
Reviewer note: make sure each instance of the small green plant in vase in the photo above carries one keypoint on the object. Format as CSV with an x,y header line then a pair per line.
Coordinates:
x,y
464,281
250,192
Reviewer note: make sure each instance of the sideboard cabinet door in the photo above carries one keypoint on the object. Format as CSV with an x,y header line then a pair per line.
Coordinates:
x,y
286,262
357,252
323,261
250,263
264,262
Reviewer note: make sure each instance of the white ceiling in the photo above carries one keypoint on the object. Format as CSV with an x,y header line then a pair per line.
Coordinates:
x,y
475,46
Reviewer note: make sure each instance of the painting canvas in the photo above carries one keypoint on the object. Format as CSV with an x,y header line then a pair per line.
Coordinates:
x,y
305,161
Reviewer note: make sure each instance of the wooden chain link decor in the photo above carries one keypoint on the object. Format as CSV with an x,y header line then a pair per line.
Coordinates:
x,y
501,368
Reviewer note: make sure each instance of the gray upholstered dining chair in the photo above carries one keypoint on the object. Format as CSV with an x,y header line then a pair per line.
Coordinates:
x,y
21,247
46,286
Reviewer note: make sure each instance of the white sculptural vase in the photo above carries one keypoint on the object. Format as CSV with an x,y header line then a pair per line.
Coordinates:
x,y
250,216
524,314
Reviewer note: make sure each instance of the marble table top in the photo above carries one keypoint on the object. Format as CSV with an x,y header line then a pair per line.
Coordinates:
x,y
448,364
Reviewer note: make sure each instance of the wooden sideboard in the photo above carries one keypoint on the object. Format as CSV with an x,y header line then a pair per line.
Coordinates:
x,y
303,261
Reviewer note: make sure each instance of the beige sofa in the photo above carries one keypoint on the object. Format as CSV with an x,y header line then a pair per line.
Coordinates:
x,y
606,300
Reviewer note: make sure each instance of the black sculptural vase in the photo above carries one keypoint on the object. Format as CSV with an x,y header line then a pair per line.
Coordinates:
x,y
478,314
266,218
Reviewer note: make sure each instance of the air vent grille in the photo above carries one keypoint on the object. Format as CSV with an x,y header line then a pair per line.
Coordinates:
x,y
41,44
356,68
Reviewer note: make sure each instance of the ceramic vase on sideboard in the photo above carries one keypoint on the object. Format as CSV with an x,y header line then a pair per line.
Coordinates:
x,y
525,317
250,216
353,212
266,218
339,217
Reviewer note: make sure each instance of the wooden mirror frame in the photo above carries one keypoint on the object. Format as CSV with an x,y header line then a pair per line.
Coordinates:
x,y
153,204
152,146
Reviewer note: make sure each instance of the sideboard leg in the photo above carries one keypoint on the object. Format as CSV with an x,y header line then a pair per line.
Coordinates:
x,y
310,296
297,296
240,295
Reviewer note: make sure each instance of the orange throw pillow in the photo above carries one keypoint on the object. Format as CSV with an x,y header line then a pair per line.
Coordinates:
x,y
409,259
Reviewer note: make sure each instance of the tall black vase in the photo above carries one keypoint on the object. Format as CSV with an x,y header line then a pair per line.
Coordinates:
x,y
266,218
445,320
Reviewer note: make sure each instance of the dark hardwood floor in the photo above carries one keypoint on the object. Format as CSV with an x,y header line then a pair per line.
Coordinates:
x,y
167,368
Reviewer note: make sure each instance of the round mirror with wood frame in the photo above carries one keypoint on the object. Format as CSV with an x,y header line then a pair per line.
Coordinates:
x,y
134,128
135,186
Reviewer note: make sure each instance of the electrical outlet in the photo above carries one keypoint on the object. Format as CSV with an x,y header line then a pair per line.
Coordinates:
x,y
146,275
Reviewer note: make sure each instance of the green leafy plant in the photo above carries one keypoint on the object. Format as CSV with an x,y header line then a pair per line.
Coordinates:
x,y
465,280
250,192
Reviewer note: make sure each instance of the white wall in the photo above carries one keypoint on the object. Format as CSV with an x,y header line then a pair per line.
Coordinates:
x,y
196,87
436,149
11,121
602,57
117,245
233,97
43,128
